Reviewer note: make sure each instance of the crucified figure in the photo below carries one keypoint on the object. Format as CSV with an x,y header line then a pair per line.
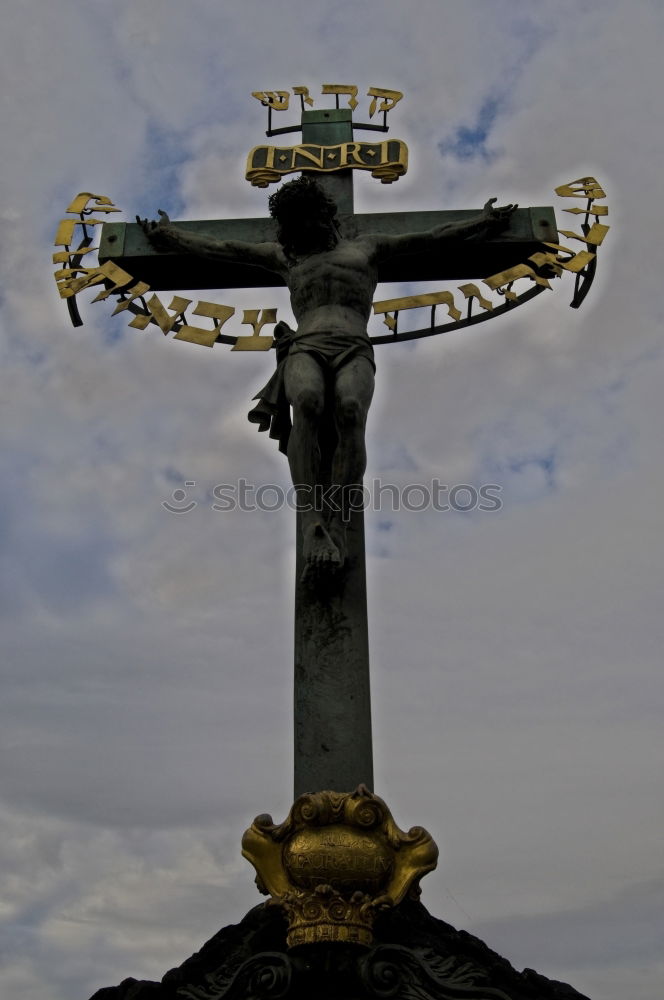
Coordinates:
x,y
325,368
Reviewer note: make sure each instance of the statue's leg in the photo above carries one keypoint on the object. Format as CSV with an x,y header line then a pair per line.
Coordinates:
x,y
353,391
305,391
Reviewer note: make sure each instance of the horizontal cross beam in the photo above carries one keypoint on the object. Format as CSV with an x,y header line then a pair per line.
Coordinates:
x,y
125,244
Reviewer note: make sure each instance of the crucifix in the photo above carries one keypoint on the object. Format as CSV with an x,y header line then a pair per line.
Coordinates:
x,y
339,858
331,260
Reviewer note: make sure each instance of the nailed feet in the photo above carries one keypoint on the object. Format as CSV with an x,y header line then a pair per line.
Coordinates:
x,y
322,553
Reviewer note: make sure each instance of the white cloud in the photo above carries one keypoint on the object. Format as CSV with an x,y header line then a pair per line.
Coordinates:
x,y
515,655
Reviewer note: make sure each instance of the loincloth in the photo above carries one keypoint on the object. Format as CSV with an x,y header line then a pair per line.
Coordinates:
x,y
332,351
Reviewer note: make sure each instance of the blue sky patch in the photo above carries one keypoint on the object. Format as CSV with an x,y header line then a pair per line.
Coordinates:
x,y
469,142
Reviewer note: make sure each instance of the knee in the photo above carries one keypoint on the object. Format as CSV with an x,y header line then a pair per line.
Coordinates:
x,y
308,403
350,412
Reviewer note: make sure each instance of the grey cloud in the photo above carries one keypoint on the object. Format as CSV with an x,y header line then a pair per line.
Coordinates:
x,y
516,658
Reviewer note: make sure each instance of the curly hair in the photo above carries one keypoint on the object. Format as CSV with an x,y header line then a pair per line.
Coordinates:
x,y
302,197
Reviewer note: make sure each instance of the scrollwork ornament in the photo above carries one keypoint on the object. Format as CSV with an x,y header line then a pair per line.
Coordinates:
x,y
395,971
267,976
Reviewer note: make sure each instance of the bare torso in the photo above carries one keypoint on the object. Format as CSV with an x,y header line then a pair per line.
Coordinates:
x,y
332,290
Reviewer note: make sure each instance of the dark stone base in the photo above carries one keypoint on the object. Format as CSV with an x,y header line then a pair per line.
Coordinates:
x,y
416,957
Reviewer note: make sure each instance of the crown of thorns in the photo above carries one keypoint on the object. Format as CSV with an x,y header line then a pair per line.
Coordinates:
x,y
302,196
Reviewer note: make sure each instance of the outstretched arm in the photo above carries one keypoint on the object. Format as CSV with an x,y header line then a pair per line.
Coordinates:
x,y
163,235
490,221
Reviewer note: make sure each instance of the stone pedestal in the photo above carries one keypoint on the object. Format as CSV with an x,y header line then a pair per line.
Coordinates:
x,y
415,957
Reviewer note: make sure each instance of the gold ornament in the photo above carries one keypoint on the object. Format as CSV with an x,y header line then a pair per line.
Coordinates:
x,y
336,860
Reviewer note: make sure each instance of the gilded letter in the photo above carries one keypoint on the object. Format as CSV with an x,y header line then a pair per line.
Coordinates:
x,y
315,155
275,99
120,278
594,236
472,292
69,285
341,88
158,314
196,334
64,256
542,259
415,302
393,96
101,203
595,210
496,281
136,291
584,187
352,149
257,319
303,94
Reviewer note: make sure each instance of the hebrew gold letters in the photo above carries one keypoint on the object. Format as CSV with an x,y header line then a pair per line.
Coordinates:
x,y
275,99
303,92
257,319
390,98
391,307
198,335
584,187
278,100
387,156
342,88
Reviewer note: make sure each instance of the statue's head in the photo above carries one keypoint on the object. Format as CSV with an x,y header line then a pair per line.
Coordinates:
x,y
306,216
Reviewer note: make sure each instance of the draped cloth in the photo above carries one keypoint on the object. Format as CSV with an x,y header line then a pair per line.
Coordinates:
x,y
331,350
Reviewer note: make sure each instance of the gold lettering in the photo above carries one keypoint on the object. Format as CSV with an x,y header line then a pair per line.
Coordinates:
x,y
119,277
559,247
472,292
415,302
157,313
266,164
136,291
64,256
198,335
594,236
257,319
584,187
275,99
352,149
496,281
595,210
578,261
391,97
315,155
101,203
303,93
542,259
575,263
69,285
65,233
342,88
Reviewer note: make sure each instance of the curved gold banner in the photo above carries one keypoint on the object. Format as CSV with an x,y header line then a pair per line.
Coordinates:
x,y
73,276
387,160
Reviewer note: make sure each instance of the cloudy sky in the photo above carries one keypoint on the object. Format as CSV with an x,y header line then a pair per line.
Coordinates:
x,y
517,691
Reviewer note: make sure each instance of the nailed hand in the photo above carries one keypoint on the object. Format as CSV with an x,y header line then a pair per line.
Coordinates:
x,y
498,217
154,229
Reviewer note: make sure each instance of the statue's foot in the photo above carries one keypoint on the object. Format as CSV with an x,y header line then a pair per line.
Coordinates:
x,y
321,555
337,532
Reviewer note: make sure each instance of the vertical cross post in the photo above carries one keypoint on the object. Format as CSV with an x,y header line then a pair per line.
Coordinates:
x,y
333,747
